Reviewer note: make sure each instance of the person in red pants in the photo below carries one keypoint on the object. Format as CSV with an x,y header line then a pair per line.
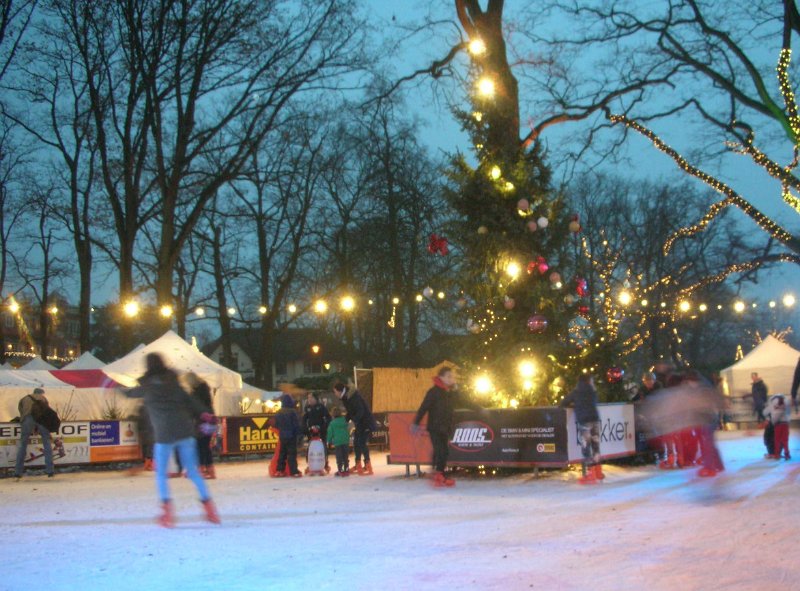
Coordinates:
x,y
777,413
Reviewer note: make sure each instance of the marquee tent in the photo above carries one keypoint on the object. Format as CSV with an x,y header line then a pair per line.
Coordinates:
x,y
37,363
86,394
85,361
773,360
226,384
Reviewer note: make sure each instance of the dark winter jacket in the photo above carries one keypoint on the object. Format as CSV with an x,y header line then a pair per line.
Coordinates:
x,y
286,421
172,411
358,411
440,403
338,432
584,399
796,381
643,391
758,393
316,415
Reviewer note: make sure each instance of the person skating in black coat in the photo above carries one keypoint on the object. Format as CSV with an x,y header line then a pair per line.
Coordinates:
x,y
361,416
439,404
288,425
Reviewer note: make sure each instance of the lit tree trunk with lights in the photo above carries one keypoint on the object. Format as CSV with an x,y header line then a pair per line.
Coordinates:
x,y
523,290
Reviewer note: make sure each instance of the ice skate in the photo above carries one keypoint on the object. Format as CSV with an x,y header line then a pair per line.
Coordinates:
x,y
211,511
167,517
598,472
367,470
210,473
589,477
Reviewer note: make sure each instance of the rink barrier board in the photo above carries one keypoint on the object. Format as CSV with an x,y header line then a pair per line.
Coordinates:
x,y
521,438
251,434
75,442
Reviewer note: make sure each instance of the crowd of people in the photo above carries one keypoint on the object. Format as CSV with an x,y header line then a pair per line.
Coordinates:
x,y
677,411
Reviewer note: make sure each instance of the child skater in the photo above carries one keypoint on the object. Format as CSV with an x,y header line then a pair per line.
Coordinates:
x,y
172,413
339,436
777,413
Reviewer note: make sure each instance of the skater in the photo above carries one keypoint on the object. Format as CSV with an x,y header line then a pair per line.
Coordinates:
x,y
584,399
439,404
145,431
777,412
758,393
704,403
206,425
288,426
795,385
29,420
649,385
317,415
172,412
339,437
358,412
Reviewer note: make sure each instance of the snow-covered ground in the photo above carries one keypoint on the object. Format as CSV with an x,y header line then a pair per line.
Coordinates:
x,y
641,529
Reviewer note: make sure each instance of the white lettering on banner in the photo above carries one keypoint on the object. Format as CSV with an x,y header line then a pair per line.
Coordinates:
x,y
471,435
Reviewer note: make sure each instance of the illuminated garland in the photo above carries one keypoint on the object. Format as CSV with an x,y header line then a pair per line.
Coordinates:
x,y
731,196
786,91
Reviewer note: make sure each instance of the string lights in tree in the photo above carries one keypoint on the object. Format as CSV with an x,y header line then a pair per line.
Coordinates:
x,y
731,196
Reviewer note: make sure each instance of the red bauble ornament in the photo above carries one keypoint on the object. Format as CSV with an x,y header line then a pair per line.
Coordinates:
x,y
509,303
437,245
583,311
614,375
581,287
537,323
541,265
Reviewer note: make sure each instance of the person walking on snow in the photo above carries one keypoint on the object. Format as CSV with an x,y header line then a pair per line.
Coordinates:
x,y
584,399
27,424
172,414
359,413
439,404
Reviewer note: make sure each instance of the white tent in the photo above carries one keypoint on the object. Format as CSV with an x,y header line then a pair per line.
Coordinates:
x,y
182,357
773,360
37,363
85,361
85,394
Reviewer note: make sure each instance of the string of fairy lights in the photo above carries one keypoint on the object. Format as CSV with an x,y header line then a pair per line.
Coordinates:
x,y
731,196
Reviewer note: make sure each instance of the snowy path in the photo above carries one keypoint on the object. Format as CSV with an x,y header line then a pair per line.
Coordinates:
x,y
641,529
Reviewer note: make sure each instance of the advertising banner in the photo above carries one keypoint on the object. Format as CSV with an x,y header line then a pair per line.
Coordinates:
x,y
540,436
501,437
617,433
380,436
248,434
111,441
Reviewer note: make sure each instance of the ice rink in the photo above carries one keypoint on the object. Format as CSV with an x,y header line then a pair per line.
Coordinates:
x,y
643,528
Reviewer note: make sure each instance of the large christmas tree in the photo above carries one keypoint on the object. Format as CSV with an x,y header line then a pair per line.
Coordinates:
x,y
519,262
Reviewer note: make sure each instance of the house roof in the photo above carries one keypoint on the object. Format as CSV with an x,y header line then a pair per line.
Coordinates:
x,y
288,345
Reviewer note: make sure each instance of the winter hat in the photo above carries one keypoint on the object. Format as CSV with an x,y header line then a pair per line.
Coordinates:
x,y
287,401
38,391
